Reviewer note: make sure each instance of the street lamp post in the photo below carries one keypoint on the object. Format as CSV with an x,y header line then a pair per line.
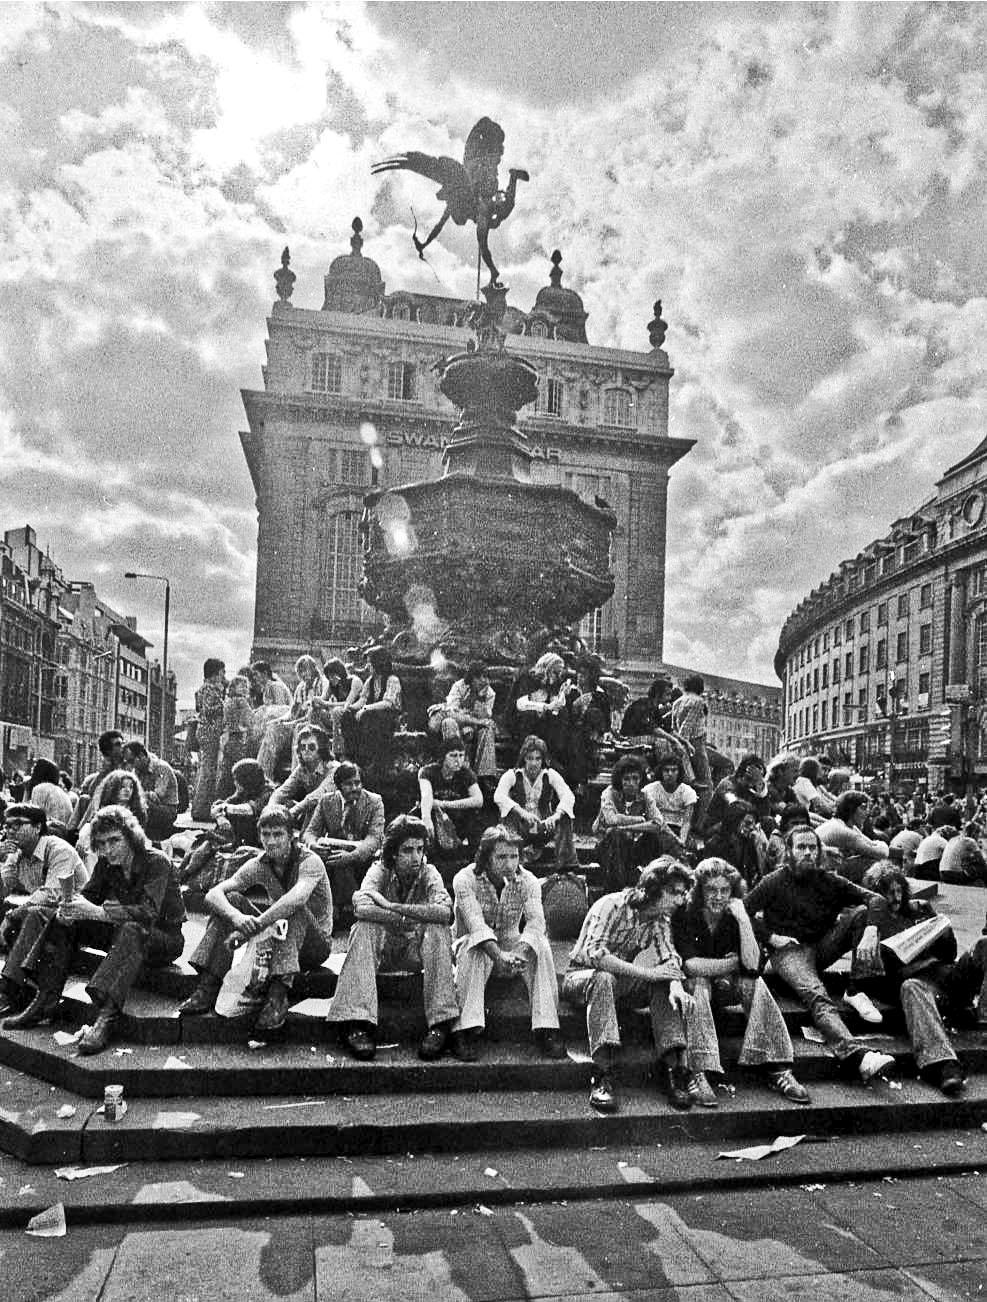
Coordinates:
x,y
158,578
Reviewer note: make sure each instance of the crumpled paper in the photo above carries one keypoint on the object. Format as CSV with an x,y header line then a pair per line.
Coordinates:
x,y
759,1151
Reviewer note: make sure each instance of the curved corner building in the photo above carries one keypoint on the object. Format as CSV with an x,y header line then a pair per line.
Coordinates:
x,y
884,666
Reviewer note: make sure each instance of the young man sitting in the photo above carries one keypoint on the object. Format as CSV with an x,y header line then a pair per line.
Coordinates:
x,y
603,976
346,831
451,799
403,912
285,880
535,801
131,907
493,897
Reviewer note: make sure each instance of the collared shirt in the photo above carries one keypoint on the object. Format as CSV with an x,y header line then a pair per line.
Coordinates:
x,y
160,784
613,927
505,802
36,875
689,716
614,808
150,897
361,821
426,888
272,878
482,914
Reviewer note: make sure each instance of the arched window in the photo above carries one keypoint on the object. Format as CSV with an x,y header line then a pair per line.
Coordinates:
x,y
401,312
618,408
538,330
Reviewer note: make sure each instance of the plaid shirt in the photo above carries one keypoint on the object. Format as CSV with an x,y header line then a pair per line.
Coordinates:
x,y
613,927
482,914
689,716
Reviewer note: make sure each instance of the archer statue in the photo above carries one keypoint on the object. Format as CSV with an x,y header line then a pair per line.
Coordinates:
x,y
469,189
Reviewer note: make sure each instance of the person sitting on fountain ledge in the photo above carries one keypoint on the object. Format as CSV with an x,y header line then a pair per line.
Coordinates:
x,y
131,907
492,897
346,831
403,912
311,777
286,880
535,801
451,800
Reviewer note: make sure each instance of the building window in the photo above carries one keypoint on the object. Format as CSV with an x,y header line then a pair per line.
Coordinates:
x,y
825,675
353,467
550,397
882,614
865,621
902,648
924,682
538,330
848,630
815,680
903,605
402,381
881,659
848,665
618,408
822,716
925,596
327,373
862,705
825,641
847,707
837,634
341,568
815,717
864,664
836,672
925,640
815,647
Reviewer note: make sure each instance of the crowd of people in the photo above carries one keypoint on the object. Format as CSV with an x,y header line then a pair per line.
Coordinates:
x,y
719,876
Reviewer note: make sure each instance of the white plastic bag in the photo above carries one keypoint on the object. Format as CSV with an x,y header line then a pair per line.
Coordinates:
x,y
245,986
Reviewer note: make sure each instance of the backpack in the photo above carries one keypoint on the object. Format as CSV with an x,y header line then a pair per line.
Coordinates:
x,y
183,791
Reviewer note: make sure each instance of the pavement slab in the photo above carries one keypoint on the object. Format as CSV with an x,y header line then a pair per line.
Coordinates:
x,y
888,1285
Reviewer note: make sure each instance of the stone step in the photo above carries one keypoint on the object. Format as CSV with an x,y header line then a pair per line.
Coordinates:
x,y
468,1120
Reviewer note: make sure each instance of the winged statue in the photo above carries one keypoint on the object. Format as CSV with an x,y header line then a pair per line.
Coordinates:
x,y
470,189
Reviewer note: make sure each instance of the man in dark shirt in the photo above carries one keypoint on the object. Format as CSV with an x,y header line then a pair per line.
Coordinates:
x,y
808,917
131,907
451,788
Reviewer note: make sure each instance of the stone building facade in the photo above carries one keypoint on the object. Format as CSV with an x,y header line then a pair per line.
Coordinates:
x,y
351,403
885,664
71,667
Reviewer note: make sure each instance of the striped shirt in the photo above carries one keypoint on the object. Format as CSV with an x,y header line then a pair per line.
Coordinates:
x,y
613,927
482,914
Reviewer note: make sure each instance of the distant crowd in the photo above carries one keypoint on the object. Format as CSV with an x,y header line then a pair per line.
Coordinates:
x,y
559,810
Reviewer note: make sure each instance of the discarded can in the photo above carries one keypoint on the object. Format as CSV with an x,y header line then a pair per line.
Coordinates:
x,y
67,886
113,1104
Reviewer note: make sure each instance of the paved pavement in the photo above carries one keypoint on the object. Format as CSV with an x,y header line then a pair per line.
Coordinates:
x,y
910,1240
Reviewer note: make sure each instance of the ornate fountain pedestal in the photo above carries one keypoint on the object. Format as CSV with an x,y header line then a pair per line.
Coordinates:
x,y
482,563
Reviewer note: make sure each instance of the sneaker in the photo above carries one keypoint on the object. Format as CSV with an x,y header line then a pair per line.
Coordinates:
x,y
783,1082
360,1043
602,1095
550,1042
863,1006
433,1043
700,1091
874,1064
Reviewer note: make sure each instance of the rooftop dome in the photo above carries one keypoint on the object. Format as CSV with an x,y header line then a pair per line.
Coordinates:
x,y
564,306
353,283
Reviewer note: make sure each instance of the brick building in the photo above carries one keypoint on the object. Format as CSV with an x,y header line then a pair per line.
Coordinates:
x,y
351,402
885,664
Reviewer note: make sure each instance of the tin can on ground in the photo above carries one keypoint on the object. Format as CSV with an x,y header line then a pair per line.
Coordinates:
x,y
113,1104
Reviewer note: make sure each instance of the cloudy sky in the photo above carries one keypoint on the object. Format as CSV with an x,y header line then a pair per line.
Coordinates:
x,y
803,186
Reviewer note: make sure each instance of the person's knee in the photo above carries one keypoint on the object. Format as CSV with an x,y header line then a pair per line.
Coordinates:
x,y
436,938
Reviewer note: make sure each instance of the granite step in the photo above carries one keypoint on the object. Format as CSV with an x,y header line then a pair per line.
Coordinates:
x,y
426,1121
